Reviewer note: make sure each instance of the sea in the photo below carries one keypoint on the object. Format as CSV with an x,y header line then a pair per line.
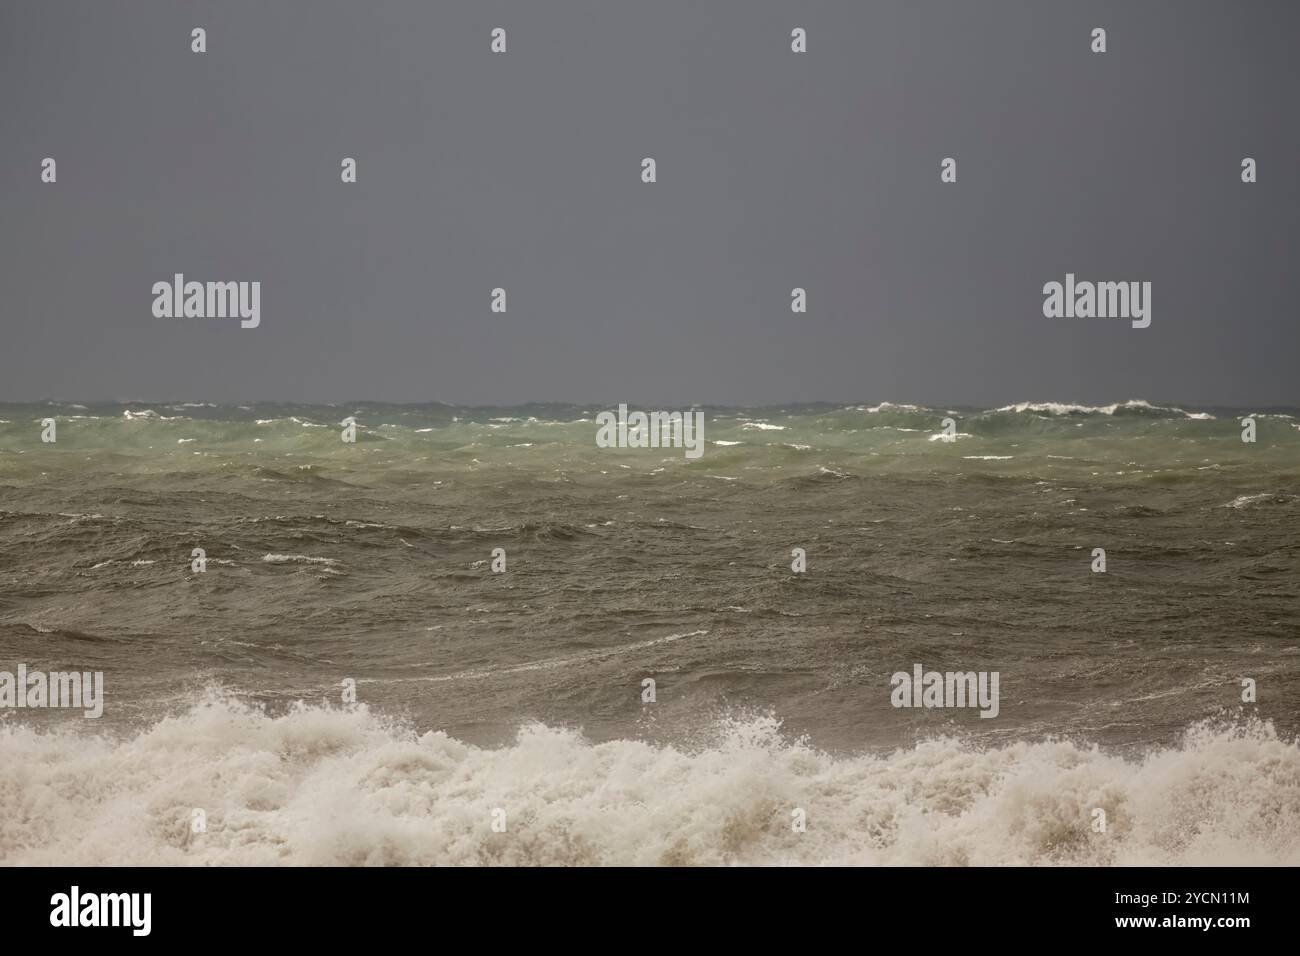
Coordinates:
x,y
474,636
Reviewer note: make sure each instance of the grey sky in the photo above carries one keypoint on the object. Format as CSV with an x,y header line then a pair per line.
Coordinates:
x,y
775,170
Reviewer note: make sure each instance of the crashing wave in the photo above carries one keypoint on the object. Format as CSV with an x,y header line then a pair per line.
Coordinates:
x,y
328,786
1135,405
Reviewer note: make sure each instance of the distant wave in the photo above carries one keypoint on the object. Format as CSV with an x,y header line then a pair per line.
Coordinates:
x,y
296,559
891,407
329,786
1132,405
1245,501
427,414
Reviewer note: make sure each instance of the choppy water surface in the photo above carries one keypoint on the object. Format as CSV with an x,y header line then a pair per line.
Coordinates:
x,y
370,561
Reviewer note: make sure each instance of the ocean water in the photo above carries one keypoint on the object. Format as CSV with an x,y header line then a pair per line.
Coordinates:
x,y
370,562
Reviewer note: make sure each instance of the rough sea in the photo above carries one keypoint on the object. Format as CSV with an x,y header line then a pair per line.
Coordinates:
x,y
369,565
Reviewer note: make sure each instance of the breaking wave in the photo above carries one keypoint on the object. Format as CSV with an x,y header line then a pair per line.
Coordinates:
x,y
328,786
1134,406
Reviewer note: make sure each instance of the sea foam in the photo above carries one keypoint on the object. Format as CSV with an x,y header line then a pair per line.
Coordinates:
x,y
320,785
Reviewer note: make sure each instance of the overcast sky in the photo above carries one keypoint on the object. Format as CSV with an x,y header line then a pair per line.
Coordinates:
x,y
775,170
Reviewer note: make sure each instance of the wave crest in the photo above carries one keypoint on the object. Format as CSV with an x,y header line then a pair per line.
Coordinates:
x,y
1134,406
319,785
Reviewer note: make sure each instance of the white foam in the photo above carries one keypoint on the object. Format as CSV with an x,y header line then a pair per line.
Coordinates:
x,y
1068,408
1245,501
322,786
296,558
888,407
